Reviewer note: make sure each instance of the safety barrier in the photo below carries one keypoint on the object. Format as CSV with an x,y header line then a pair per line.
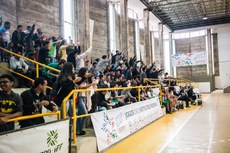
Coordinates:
x,y
33,61
35,116
158,81
73,93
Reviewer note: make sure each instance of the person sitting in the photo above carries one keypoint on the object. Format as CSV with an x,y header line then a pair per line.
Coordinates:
x,y
184,97
103,104
191,94
10,103
19,65
33,100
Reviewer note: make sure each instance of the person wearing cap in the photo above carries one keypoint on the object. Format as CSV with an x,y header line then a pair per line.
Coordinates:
x,y
10,103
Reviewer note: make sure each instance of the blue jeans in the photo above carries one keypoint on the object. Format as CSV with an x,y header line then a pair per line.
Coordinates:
x,y
81,111
69,108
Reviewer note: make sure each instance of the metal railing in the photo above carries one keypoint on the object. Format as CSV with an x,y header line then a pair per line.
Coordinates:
x,y
73,93
35,116
158,81
25,58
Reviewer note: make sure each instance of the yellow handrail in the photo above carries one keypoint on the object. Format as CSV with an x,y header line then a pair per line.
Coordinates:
x,y
73,92
33,61
16,73
35,116
6,68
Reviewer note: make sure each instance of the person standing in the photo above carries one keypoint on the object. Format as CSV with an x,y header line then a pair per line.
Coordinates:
x,y
10,103
5,34
17,39
83,76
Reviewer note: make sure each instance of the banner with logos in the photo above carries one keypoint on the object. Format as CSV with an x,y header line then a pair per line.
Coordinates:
x,y
49,138
114,125
189,59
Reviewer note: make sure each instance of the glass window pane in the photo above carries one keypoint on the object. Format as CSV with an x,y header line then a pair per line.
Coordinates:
x,y
67,11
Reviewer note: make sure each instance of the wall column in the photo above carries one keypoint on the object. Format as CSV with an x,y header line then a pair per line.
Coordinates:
x,y
61,18
124,27
171,53
82,24
161,49
210,63
147,36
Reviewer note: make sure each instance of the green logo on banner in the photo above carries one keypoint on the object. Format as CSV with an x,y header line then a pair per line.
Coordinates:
x,y
52,138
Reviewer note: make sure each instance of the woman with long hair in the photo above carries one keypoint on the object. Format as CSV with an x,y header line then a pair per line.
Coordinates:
x,y
64,85
83,76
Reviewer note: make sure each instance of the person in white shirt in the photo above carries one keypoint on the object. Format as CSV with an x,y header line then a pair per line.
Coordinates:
x,y
80,58
102,64
19,65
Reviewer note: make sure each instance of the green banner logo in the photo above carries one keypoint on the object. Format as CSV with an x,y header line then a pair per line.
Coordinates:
x,y
52,138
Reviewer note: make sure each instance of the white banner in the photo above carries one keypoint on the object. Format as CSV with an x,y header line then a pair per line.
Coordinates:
x,y
50,138
189,59
113,125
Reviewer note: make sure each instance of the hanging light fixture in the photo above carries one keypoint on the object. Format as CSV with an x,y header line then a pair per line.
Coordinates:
x,y
205,17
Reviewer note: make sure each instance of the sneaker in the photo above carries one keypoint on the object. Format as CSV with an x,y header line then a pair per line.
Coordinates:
x,y
81,133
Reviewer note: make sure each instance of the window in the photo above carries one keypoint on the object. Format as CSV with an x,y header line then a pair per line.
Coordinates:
x,y
189,34
68,19
112,24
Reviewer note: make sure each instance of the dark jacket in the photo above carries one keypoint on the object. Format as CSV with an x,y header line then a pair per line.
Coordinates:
x,y
65,86
17,38
101,100
43,55
71,56
30,105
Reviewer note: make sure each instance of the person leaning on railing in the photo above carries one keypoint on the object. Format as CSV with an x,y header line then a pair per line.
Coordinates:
x,y
10,103
33,100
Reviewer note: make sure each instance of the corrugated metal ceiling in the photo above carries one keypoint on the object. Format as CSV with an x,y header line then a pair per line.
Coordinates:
x,y
183,14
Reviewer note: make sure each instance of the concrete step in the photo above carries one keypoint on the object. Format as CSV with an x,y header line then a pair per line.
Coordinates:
x,y
86,143
227,89
2,71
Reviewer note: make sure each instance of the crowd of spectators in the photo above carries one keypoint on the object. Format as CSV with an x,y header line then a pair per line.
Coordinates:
x,y
109,71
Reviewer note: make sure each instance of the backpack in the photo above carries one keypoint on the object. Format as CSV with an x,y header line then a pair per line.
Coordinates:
x,y
55,91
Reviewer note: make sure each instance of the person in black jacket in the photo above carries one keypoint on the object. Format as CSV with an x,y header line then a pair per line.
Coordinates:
x,y
33,100
17,38
72,55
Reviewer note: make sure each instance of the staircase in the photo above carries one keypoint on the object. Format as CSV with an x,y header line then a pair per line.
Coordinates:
x,y
227,89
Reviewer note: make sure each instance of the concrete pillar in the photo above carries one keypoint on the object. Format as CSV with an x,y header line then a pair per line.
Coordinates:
x,y
215,54
210,63
161,49
153,59
61,18
171,53
147,36
124,27
108,25
18,4
137,40
82,24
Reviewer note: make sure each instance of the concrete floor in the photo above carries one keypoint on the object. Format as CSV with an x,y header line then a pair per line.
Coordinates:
x,y
195,130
